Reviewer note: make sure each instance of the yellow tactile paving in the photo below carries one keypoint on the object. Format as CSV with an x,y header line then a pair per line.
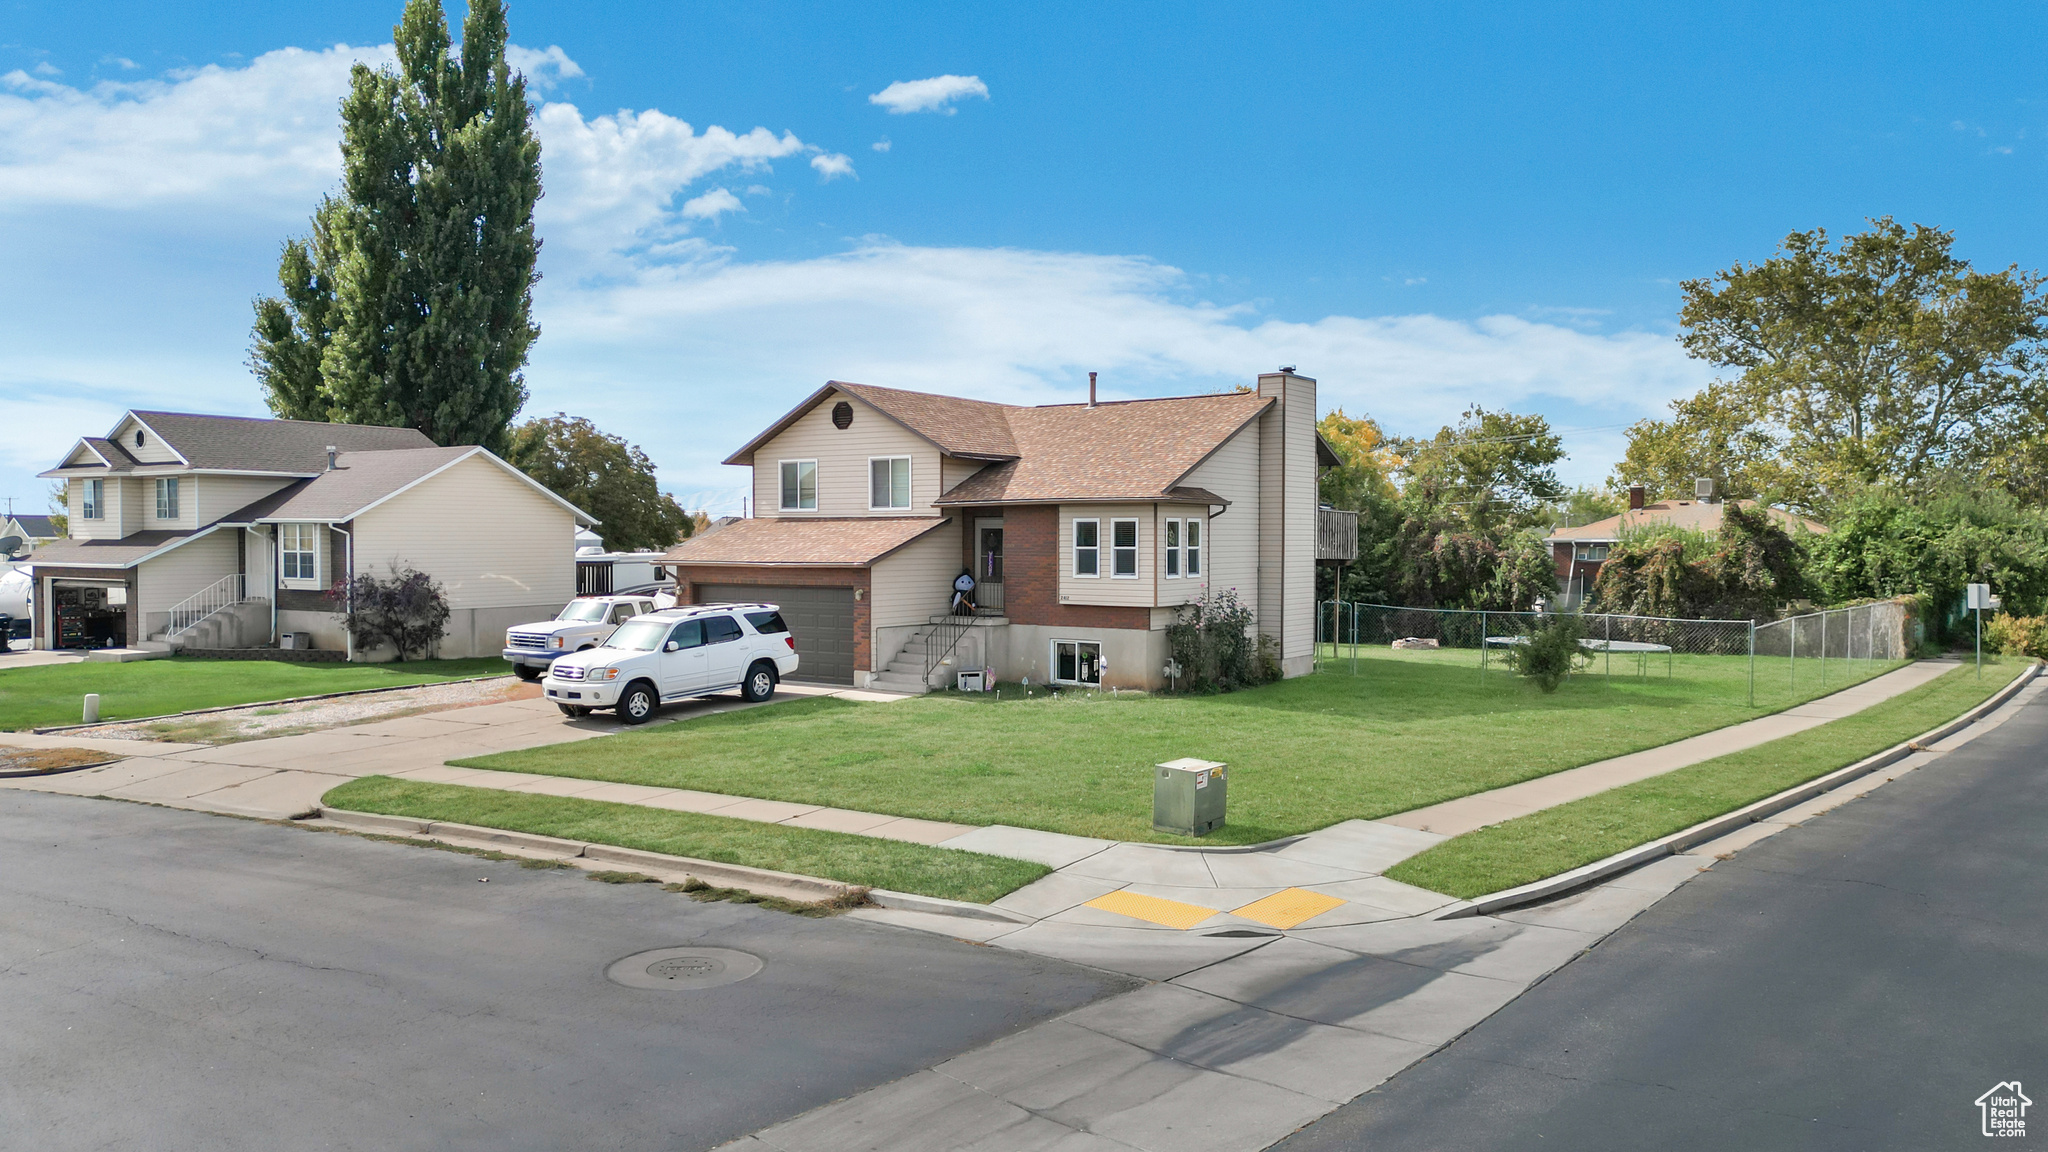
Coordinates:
x,y
1286,908
1152,909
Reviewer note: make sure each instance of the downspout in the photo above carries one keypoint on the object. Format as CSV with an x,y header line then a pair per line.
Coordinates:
x,y
348,636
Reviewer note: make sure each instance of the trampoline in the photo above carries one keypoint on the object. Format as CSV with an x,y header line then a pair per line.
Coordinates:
x,y
1642,650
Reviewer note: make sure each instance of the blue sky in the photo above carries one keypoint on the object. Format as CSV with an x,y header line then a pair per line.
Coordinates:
x,y
1423,206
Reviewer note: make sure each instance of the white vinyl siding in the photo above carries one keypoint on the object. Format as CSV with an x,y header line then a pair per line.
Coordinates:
x,y
797,485
491,539
1231,540
952,470
842,456
183,571
150,451
889,483
213,497
1107,587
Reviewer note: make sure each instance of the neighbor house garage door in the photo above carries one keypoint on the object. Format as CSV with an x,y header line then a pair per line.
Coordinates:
x,y
821,619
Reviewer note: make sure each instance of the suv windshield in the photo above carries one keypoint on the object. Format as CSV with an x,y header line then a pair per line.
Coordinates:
x,y
587,611
639,635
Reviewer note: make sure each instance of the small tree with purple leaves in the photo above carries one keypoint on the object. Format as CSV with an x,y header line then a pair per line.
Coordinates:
x,y
406,609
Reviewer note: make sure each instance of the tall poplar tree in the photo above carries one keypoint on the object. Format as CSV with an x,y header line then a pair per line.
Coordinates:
x,y
410,303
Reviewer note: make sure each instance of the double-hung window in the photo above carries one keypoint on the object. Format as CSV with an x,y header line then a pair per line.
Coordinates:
x,y
167,498
92,499
1123,548
1087,548
297,545
1191,536
1169,549
889,482
799,485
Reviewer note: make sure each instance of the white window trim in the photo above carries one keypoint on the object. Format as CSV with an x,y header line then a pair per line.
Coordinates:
x,y
1136,537
1074,547
91,506
798,506
1053,661
1171,538
910,483
301,583
1193,552
167,484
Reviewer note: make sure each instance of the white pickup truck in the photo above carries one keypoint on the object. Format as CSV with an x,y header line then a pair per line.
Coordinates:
x,y
582,624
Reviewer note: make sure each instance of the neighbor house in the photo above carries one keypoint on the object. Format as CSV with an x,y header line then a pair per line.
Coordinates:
x,y
225,533
1579,552
32,531
1086,526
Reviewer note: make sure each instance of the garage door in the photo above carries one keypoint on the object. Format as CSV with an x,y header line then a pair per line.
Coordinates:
x,y
820,618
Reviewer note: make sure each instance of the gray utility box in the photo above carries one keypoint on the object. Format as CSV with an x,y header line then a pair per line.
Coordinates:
x,y
1188,796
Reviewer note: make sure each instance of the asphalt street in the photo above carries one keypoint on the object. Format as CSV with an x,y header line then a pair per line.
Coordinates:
x,y
170,980
1856,982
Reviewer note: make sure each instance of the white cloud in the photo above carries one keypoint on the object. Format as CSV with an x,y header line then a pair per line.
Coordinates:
x,y
831,165
711,204
544,67
45,68
881,145
647,327
121,62
935,94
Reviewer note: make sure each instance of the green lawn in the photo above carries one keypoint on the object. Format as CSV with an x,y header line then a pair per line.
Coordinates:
x,y
1404,731
54,693
863,860
1529,848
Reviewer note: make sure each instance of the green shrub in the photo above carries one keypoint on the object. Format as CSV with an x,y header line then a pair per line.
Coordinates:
x,y
1213,644
1552,651
2017,635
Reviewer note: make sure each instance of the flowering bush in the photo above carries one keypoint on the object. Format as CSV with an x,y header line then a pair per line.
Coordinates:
x,y
1215,648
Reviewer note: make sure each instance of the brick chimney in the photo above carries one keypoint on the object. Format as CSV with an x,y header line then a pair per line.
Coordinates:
x,y
1635,497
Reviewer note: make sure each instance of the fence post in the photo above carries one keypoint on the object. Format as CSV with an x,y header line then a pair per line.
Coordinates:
x,y
1482,641
1792,681
1752,663
1823,648
1608,645
1354,637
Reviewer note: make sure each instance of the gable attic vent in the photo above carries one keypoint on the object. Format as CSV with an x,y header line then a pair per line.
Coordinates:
x,y
138,437
842,415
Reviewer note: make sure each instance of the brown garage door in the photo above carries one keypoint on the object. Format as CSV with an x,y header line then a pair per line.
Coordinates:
x,y
820,618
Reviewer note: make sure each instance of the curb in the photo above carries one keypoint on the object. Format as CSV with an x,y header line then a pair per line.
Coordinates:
x,y
940,906
709,871
30,773
59,729
1580,877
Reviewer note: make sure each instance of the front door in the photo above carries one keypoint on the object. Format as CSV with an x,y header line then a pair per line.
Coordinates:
x,y
683,669
988,564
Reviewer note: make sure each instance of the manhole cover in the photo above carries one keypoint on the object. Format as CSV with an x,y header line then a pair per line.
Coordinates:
x,y
683,968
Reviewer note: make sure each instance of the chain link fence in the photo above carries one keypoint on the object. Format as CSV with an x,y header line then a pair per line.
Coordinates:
x,y
1769,665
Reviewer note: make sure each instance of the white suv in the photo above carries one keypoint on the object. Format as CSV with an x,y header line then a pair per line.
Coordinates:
x,y
675,654
583,623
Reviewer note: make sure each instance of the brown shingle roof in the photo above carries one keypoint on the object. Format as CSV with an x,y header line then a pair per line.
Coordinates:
x,y
1695,515
123,553
960,427
358,480
249,444
1124,450
838,543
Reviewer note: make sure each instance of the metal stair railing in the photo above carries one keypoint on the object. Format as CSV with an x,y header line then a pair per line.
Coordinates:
x,y
940,642
186,614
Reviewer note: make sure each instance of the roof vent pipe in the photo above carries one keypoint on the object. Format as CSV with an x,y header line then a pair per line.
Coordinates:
x,y
1091,389
331,465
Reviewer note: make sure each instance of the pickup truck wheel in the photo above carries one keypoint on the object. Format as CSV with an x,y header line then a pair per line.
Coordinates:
x,y
760,683
526,672
572,711
637,704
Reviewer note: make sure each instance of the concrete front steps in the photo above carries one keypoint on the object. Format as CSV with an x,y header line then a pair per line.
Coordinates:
x,y
905,671
245,624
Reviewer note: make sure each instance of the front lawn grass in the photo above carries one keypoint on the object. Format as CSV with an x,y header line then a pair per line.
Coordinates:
x,y
863,860
52,694
1542,844
1407,729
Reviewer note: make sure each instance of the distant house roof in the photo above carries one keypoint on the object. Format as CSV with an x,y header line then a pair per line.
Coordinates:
x,y
1696,515
836,543
360,481
1119,450
244,444
37,527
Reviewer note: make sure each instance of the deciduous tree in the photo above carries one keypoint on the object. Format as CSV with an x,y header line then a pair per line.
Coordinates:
x,y
603,475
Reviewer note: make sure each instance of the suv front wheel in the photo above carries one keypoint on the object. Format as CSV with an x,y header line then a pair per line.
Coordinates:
x,y
637,703
760,684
